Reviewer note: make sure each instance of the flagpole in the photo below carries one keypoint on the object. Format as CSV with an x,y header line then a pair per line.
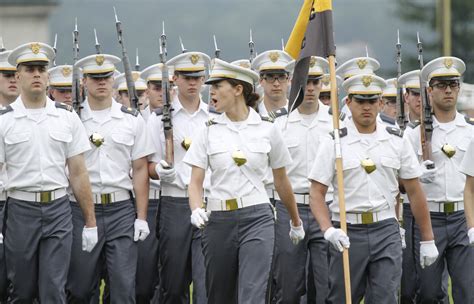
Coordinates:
x,y
339,174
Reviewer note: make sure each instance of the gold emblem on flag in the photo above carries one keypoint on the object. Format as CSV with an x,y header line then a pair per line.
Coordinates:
x,y
194,58
312,62
361,63
239,158
448,63
99,59
35,48
448,150
366,80
135,75
66,71
368,165
274,56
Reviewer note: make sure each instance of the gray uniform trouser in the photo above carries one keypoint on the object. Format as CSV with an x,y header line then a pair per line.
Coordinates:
x,y
291,261
375,258
38,238
115,246
238,249
147,267
3,265
450,233
410,281
180,254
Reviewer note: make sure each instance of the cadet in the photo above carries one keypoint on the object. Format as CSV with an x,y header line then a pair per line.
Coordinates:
x,y
389,100
60,84
305,126
120,84
239,147
411,82
374,157
120,144
325,94
180,252
444,184
38,140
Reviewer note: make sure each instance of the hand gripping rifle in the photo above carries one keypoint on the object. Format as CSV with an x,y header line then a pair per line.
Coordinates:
x,y
76,80
401,119
426,119
132,93
166,117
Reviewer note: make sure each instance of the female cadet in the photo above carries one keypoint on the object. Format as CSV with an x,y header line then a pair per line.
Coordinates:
x,y
238,146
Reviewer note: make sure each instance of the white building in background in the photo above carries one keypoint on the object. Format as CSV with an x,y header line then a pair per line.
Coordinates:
x,y
23,21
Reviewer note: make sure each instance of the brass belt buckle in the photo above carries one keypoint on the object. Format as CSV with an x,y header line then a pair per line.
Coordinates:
x,y
231,204
448,207
367,217
45,197
105,198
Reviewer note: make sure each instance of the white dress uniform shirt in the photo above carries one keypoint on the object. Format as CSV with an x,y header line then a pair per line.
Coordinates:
x,y
260,141
185,125
302,140
448,184
125,139
391,154
35,147
467,164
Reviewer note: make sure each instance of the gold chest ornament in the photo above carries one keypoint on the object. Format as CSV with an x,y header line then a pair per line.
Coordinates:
x,y
96,139
239,158
448,150
368,165
186,143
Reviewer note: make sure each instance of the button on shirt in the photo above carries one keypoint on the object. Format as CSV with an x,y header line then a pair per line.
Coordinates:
x,y
302,139
185,125
391,154
261,143
448,185
125,140
35,149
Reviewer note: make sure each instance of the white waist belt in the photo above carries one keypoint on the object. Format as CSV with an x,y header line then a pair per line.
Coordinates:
x,y
154,194
366,217
107,198
300,198
236,203
174,192
446,207
38,197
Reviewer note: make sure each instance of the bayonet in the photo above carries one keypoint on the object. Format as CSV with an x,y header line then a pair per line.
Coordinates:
x,y
55,48
137,61
76,81
97,44
2,46
251,48
183,50
217,51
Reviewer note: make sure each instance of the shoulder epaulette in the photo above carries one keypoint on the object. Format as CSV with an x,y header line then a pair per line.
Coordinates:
x,y
130,111
277,113
387,119
342,133
210,122
469,120
395,131
6,109
342,115
213,111
268,119
414,124
158,111
64,106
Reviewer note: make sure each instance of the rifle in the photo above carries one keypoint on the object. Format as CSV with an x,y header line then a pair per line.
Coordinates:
x,y
137,63
217,51
402,119
97,44
132,93
426,119
2,46
55,49
251,48
76,81
183,50
166,117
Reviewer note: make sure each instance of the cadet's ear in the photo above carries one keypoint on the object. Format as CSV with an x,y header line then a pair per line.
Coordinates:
x,y
175,77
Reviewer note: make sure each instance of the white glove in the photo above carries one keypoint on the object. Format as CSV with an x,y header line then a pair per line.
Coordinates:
x,y
402,236
337,238
296,233
90,238
141,230
166,174
1,238
428,253
199,218
427,175
470,234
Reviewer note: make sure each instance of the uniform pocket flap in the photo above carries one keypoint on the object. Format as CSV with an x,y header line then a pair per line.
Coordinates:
x,y
390,162
16,138
123,138
61,136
